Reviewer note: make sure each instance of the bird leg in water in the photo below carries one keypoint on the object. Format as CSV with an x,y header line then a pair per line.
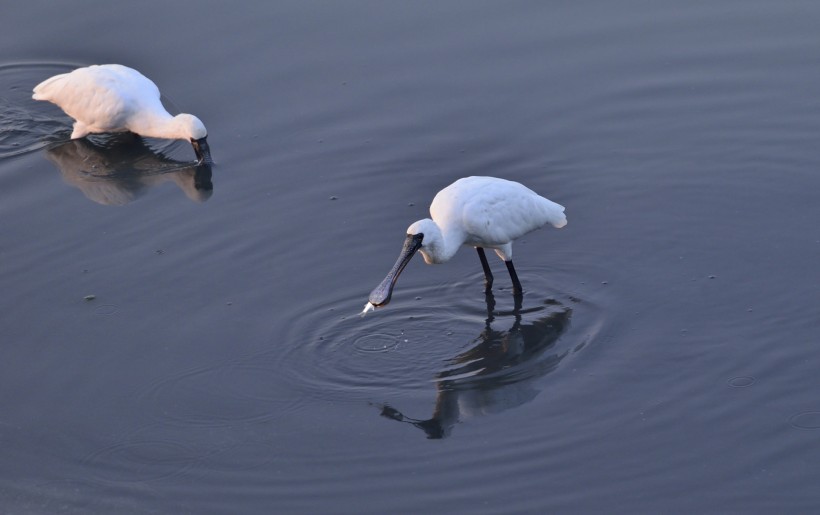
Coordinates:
x,y
488,274
490,299
516,283
518,300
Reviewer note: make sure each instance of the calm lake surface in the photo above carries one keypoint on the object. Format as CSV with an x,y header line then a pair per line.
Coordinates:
x,y
174,340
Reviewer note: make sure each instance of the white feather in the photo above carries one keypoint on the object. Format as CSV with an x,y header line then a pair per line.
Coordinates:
x,y
115,98
483,212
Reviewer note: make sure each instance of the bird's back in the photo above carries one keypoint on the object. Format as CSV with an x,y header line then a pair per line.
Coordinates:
x,y
494,211
103,96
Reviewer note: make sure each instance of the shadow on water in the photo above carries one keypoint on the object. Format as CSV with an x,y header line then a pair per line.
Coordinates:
x,y
495,374
117,169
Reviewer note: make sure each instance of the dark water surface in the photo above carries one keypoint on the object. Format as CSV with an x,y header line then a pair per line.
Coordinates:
x,y
665,358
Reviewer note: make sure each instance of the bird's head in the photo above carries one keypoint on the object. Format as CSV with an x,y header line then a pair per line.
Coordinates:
x,y
194,130
431,247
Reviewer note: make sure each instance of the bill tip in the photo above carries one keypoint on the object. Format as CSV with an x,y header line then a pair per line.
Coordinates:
x,y
367,307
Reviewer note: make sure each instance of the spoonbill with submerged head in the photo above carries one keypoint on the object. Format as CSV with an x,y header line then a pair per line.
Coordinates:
x,y
115,98
482,212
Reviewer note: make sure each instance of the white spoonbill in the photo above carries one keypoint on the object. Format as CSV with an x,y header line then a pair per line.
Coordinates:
x,y
482,212
115,98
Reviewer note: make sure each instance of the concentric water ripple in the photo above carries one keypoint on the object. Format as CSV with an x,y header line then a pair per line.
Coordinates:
x,y
159,451
437,332
29,125
141,460
808,420
226,394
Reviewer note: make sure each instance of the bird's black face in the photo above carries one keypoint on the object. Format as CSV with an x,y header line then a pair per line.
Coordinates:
x,y
203,151
380,296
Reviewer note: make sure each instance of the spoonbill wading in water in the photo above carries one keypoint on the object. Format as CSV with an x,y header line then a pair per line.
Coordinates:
x,y
482,212
115,98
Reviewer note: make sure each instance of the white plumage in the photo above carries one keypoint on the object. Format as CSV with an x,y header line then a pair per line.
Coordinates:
x,y
482,212
115,98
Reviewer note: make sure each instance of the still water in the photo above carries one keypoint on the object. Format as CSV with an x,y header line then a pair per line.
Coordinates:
x,y
186,340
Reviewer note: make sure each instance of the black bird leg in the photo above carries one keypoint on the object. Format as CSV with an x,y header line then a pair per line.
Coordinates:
x,y
517,290
488,275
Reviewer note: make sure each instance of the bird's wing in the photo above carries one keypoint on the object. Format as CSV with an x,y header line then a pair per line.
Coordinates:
x,y
500,215
137,83
96,96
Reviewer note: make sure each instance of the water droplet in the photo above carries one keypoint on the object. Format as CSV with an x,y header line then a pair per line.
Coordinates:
x,y
106,309
376,343
808,420
741,381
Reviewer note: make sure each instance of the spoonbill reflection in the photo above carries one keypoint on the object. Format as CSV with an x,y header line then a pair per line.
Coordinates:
x,y
498,373
482,212
118,169
115,98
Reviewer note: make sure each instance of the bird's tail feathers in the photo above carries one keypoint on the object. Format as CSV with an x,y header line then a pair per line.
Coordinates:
x,y
42,91
555,214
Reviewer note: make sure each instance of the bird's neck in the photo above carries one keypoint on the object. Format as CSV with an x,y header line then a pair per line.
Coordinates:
x,y
440,244
158,125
